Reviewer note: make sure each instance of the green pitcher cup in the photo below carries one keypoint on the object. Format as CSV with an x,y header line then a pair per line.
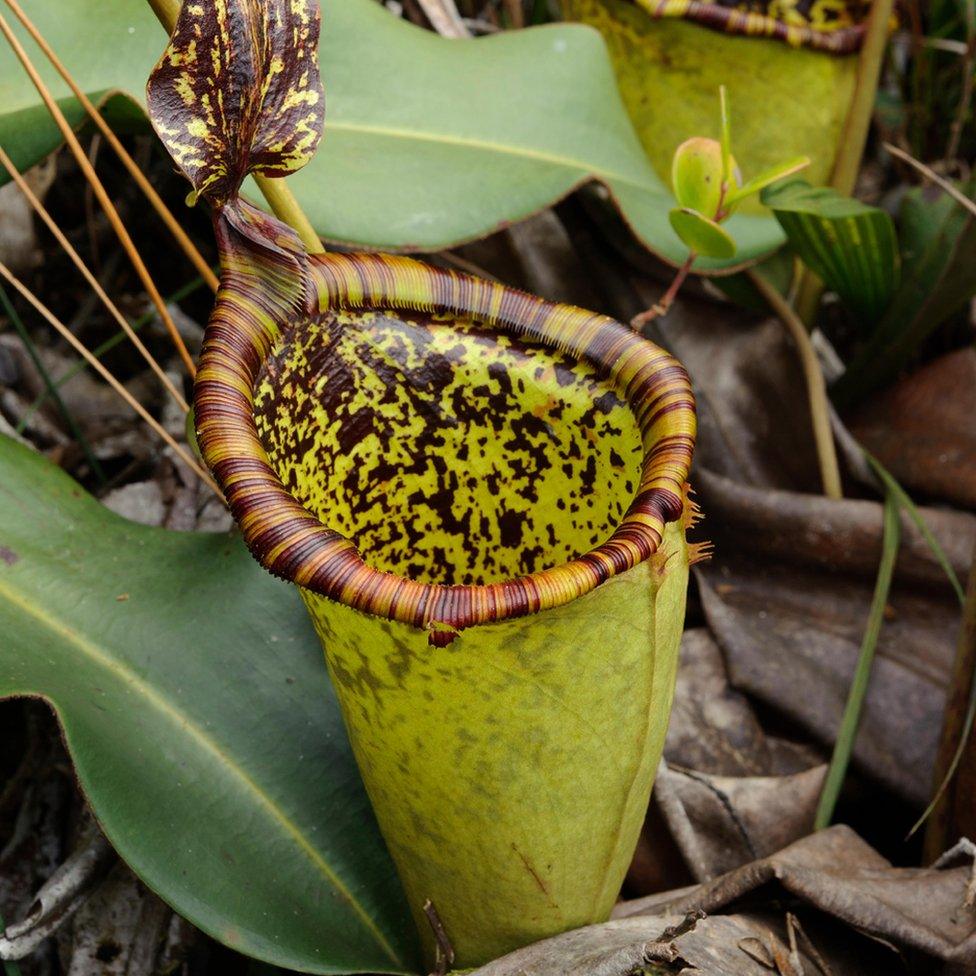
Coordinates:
x,y
482,497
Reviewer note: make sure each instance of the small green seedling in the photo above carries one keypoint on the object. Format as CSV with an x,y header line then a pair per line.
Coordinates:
x,y
708,186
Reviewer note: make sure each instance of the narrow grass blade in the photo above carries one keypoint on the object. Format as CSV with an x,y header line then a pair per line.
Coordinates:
x,y
895,490
911,510
766,178
847,733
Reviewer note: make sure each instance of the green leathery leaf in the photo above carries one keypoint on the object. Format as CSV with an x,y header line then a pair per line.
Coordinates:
x,y
204,732
851,246
428,141
938,240
702,235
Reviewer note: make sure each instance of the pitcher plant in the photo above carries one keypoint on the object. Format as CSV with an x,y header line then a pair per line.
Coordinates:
x,y
794,61
480,494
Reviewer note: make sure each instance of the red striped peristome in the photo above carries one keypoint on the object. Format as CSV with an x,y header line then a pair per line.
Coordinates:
x,y
752,23
294,545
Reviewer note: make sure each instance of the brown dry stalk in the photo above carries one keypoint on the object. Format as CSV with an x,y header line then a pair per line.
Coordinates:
x,y
100,192
932,177
816,387
444,18
858,122
97,365
92,280
445,951
968,82
165,214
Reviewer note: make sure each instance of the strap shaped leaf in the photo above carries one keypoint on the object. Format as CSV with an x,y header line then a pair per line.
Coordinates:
x,y
852,246
938,240
238,90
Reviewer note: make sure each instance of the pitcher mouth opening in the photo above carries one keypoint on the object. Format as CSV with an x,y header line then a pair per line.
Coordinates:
x,y
441,450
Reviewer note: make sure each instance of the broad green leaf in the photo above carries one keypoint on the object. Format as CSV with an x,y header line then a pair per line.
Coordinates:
x,y
938,242
702,235
850,245
934,226
428,141
196,707
696,175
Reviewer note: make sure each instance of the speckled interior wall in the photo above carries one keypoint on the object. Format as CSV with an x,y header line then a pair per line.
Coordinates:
x,y
448,451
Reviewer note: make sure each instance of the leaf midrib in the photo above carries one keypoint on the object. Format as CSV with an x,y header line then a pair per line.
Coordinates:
x,y
24,94
191,728
444,139
500,148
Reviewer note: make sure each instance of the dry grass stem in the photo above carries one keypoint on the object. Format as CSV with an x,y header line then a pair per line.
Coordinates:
x,y
100,192
166,215
97,365
816,387
42,212
932,177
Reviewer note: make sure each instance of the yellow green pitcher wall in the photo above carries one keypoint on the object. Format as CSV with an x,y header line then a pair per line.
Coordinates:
x,y
510,771
482,496
785,101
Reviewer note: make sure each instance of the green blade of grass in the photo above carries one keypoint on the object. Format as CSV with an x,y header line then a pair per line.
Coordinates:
x,y
847,733
50,388
895,490
910,509
726,135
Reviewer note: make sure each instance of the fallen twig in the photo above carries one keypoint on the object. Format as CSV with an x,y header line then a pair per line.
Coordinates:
x,y
60,897
445,951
